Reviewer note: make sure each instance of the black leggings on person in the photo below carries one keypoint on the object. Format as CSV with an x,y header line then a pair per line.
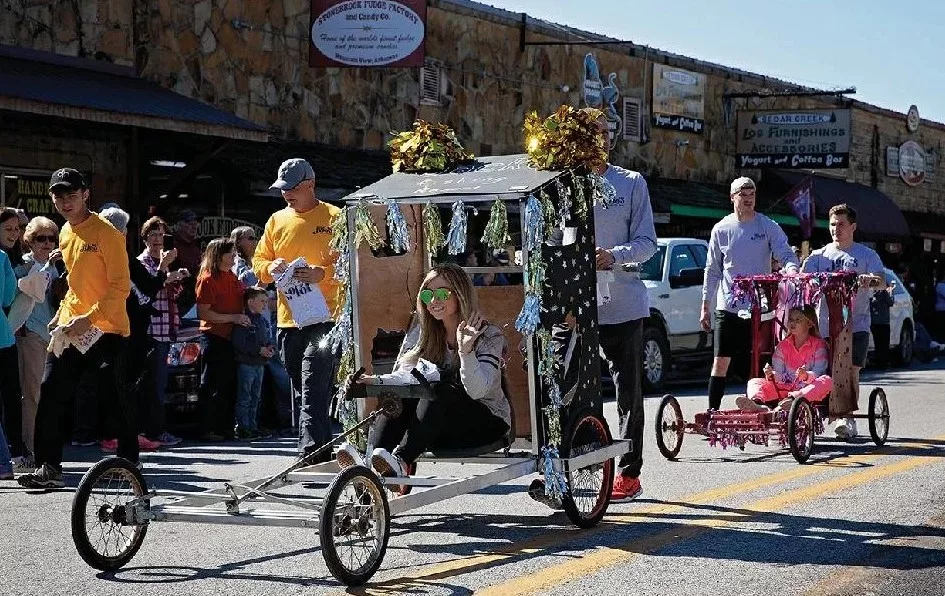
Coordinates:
x,y
451,420
216,398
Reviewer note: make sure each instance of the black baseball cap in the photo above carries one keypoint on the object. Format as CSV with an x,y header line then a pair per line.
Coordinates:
x,y
66,180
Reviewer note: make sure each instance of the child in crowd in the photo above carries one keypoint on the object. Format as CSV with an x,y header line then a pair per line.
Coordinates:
x,y
6,464
253,346
798,367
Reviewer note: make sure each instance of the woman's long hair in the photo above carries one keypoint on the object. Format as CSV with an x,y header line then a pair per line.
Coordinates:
x,y
210,263
432,343
15,252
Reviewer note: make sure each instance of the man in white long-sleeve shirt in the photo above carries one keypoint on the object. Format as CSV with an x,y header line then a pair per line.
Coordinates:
x,y
625,234
742,243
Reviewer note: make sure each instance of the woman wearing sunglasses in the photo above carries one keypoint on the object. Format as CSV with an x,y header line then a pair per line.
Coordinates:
x,y
42,239
470,407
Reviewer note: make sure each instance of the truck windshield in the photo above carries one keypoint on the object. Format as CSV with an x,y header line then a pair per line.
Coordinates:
x,y
652,269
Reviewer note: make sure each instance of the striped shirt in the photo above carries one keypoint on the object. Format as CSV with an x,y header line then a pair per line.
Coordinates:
x,y
812,355
164,322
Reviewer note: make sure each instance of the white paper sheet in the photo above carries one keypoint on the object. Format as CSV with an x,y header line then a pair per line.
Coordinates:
x,y
306,302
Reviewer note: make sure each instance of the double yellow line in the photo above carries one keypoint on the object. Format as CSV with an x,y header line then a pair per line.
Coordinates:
x,y
430,575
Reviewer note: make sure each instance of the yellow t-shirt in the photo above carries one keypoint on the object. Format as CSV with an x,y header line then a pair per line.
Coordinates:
x,y
95,255
290,235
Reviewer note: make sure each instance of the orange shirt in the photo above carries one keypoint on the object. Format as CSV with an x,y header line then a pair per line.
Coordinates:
x,y
223,293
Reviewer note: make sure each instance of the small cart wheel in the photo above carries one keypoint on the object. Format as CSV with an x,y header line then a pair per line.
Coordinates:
x,y
879,416
588,495
103,526
354,525
800,429
669,427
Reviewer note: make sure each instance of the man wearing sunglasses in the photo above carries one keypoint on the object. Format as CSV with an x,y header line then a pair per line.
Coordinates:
x,y
302,229
99,283
625,234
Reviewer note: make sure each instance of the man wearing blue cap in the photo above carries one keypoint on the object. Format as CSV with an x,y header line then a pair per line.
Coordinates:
x,y
302,229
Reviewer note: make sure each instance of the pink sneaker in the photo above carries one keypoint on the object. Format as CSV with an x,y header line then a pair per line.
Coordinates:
x,y
146,444
625,489
109,445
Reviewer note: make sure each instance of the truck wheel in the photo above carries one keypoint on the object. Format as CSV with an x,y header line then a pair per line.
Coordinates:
x,y
655,359
905,350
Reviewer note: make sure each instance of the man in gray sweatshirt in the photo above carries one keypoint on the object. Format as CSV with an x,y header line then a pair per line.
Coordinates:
x,y
742,243
625,234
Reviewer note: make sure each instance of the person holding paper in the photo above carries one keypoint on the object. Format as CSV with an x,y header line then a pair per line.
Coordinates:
x,y
92,316
302,230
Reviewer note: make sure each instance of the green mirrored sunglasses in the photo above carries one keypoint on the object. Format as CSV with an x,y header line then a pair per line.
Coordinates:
x,y
441,294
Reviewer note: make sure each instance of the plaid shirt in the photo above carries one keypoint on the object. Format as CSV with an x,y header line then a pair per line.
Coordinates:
x,y
164,322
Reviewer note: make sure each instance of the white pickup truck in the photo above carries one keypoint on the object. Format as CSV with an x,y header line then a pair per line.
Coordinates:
x,y
672,336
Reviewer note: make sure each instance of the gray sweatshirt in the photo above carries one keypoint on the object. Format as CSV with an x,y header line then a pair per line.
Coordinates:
x,y
859,258
626,229
742,248
480,371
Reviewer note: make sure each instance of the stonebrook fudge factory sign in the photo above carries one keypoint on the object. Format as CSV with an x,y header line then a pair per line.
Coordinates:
x,y
368,33
802,139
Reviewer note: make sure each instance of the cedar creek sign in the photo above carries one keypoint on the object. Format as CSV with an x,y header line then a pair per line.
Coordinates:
x,y
368,33
793,139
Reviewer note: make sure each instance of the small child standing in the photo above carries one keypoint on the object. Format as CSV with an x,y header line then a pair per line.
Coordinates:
x,y
253,346
798,367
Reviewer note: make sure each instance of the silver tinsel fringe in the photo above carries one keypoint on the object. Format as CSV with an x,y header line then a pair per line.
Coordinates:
x,y
456,237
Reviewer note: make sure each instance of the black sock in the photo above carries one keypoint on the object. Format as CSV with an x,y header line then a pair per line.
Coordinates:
x,y
716,392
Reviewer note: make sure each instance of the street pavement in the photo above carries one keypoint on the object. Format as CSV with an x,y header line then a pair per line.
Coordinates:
x,y
857,520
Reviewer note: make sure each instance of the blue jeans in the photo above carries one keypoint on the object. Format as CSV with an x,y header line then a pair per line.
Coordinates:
x,y
154,392
248,392
282,391
6,466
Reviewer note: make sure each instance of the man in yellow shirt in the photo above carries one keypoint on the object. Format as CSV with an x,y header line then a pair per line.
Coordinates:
x,y
99,282
302,229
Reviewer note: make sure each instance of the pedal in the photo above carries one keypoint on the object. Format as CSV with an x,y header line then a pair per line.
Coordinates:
x,y
536,490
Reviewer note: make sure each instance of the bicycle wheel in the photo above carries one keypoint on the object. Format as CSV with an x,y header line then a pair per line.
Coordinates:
x,y
104,528
800,430
588,495
354,525
669,427
879,416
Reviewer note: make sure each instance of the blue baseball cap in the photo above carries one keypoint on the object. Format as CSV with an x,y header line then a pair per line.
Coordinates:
x,y
292,172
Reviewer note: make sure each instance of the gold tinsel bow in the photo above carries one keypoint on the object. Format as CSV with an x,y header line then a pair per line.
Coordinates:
x,y
426,148
567,139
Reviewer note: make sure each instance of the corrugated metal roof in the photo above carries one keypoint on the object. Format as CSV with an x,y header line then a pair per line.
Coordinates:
x,y
60,81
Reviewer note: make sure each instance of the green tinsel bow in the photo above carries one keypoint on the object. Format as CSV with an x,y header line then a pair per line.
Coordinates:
x,y
496,234
551,214
432,229
553,422
580,197
365,230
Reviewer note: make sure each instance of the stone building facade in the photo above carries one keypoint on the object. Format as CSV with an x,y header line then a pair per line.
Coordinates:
x,y
250,58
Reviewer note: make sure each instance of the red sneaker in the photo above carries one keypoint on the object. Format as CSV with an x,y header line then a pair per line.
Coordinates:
x,y
109,445
625,489
146,444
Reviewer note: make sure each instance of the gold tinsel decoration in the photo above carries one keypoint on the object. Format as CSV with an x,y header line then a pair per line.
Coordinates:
x,y
567,139
426,148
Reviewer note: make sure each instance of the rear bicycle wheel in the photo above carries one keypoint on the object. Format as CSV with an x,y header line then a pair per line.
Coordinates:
x,y
669,427
588,495
879,416
104,530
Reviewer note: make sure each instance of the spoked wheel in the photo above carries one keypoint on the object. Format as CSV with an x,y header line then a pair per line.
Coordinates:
x,y
879,416
354,525
103,527
801,430
589,487
669,427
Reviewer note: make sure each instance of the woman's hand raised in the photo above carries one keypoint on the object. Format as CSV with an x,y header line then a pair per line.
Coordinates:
x,y
468,332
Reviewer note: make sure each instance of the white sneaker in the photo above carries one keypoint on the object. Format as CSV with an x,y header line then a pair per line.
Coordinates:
x,y
841,429
348,455
851,428
387,464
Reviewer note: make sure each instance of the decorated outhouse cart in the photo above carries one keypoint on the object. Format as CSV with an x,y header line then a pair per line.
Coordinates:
x,y
389,235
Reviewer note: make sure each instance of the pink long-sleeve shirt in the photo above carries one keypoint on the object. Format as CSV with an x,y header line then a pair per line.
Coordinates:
x,y
812,355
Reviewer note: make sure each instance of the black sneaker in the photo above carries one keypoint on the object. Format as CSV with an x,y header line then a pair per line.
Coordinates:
x,y
45,476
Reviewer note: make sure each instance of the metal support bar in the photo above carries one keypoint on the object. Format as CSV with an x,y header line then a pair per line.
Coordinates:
x,y
521,468
615,449
254,517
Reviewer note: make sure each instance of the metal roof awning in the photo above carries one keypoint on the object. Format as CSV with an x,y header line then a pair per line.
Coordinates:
x,y
878,217
80,89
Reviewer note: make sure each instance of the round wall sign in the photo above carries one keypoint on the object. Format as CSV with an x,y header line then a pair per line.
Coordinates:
x,y
912,163
912,119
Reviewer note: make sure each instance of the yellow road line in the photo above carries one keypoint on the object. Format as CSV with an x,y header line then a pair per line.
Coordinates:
x,y
432,573
595,561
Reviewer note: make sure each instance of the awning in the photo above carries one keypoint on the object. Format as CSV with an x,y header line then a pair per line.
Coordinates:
x,y
878,217
80,89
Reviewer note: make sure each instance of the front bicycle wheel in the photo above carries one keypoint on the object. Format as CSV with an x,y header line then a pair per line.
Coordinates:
x,y
105,528
588,495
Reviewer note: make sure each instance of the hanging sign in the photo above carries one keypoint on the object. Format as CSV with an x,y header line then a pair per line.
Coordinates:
x,y
368,33
678,99
801,139
912,163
